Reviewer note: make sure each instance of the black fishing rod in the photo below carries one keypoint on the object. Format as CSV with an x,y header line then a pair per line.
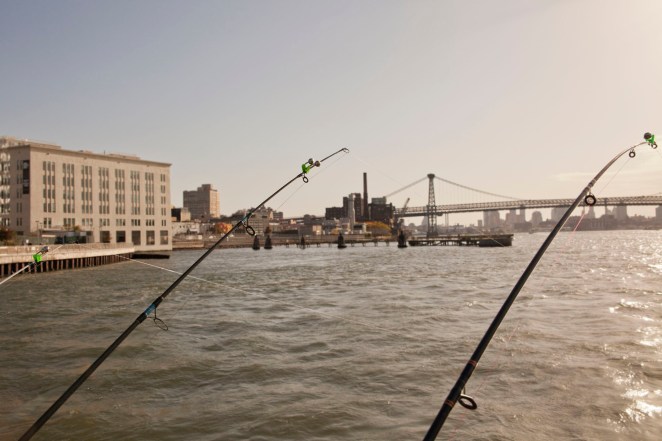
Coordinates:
x,y
457,392
36,260
305,168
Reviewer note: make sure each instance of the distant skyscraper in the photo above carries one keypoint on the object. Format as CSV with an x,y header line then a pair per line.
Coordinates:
x,y
621,212
536,218
591,213
557,213
203,203
491,219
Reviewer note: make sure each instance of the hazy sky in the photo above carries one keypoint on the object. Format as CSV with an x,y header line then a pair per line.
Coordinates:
x,y
524,98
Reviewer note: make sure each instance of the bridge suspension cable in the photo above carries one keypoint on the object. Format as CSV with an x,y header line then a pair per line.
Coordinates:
x,y
406,187
475,189
455,184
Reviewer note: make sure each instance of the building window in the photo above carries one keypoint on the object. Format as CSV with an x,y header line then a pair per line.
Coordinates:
x,y
149,194
104,190
135,192
68,192
105,237
120,192
86,185
49,186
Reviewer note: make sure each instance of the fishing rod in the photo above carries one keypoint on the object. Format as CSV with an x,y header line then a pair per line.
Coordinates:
x,y
457,392
36,260
305,168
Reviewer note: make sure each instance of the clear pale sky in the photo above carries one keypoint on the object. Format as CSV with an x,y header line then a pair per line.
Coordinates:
x,y
522,98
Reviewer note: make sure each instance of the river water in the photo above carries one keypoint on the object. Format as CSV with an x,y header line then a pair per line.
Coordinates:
x,y
356,344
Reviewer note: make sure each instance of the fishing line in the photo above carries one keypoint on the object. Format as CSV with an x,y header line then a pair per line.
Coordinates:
x,y
266,297
378,170
463,419
500,363
289,197
469,399
456,393
602,189
528,304
305,168
258,294
471,227
476,190
156,321
37,259
581,218
311,177
17,273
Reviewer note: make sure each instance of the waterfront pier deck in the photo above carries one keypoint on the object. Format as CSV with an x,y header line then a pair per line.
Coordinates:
x,y
60,257
351,240
293,241
480,240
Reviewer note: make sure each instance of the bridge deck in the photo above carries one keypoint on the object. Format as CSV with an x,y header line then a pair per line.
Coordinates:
x,y
528,204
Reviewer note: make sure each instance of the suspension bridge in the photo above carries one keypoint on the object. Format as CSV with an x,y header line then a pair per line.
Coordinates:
x,y
432,209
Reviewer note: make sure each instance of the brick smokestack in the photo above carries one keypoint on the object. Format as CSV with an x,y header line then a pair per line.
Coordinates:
x,y
366,215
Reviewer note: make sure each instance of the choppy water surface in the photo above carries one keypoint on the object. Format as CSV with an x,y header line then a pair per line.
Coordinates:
x,y
356,344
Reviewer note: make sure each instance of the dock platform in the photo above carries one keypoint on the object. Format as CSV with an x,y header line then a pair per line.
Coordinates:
x,y
480,240
61,257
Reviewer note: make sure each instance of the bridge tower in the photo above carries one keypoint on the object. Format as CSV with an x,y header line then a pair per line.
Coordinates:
x,y
431,209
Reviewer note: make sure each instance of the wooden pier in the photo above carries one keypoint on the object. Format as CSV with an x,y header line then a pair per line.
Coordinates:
x,y
480,240
245,241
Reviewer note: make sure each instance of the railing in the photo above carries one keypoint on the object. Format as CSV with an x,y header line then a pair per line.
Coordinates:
x,y
31,249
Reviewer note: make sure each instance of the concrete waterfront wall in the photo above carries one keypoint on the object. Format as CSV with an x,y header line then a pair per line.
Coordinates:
x,y
60,257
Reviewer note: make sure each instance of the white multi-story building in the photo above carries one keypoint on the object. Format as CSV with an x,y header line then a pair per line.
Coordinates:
x,y
110,198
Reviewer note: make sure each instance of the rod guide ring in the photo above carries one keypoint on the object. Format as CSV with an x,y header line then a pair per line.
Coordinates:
x,y
590,200
467,402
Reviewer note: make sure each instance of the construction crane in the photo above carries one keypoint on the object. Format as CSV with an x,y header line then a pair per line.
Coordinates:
x,y
399,221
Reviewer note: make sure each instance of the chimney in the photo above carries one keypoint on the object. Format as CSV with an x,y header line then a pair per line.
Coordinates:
x,y
366,215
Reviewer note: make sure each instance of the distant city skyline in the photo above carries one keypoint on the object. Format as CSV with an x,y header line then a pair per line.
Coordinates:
x,y
522,98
